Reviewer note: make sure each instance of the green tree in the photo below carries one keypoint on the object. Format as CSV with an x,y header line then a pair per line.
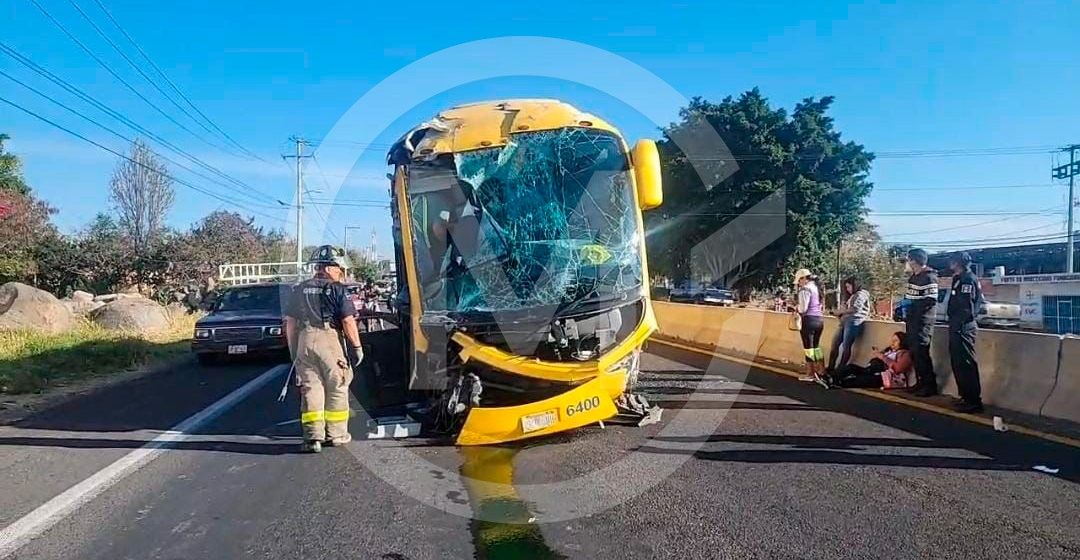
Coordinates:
x,y
363,268
11,177
57,259
24,226
878,266
105,260
802,155
220,238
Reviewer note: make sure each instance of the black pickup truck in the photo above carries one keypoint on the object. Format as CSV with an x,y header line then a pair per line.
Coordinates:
x,y
244,320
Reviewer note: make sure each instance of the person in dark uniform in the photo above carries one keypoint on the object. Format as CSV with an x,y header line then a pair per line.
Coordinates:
x,y
324,340
922,294
964,302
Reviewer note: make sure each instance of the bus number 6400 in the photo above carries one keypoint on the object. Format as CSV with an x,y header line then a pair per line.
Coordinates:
x,y
583,406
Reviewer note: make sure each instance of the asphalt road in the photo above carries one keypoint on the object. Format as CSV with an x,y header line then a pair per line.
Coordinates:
x,y
746,464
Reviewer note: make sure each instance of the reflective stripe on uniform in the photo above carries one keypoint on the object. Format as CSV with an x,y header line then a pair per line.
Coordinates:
x,y
312,416
337,415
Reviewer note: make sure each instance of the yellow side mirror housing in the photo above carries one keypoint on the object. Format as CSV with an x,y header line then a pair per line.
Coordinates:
x,y
650,188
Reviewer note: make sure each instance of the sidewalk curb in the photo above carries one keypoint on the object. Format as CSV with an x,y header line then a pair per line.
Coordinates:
x,y
928,407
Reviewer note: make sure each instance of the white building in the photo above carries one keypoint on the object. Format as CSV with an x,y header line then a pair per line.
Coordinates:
x,y
1047,301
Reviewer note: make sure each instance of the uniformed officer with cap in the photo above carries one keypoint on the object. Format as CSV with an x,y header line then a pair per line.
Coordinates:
x,y
325,345
964,301
922,294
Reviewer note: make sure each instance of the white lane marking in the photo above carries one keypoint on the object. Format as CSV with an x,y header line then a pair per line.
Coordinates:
x,y
23,530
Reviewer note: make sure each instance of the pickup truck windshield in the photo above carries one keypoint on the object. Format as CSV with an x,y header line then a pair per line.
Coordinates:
x,y
263,298
547,220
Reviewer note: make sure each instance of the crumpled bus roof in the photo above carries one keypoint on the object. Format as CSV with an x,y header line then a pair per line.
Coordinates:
x,y
487,124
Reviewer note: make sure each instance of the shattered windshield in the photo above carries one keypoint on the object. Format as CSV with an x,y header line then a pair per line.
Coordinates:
x,y
547,220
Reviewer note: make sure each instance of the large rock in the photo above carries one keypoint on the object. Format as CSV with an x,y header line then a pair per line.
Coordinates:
x,y
132,314
24,307
82,303
106,298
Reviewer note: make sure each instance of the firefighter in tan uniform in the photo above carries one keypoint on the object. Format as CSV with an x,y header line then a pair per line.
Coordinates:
x,y
324,340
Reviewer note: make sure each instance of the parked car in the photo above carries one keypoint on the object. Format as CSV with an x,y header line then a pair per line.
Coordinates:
x,y
683,293
993,314
715,296
244,320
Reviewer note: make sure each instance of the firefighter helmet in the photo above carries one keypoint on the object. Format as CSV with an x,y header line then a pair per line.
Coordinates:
x,y
328,255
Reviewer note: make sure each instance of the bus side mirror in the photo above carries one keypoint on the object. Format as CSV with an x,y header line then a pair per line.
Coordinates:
x,y
650,188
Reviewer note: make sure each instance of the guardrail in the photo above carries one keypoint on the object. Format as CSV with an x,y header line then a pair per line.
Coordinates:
x,y
1032,373
254,273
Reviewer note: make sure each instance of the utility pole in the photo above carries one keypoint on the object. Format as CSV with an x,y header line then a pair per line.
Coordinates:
x,y
374,248
839,288
1069,171
347,228
300,156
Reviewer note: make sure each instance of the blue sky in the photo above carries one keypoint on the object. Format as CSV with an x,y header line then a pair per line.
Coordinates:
x,y
916,76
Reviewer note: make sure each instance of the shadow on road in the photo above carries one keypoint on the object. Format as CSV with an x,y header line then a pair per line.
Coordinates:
x,y
806,442
730,404
156,401
1007,451
248,448
775,456
650,390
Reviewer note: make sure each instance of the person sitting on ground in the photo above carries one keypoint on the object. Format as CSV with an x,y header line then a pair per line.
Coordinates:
x,y
891,368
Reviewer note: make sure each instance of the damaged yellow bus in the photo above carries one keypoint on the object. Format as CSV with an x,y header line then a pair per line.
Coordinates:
x,y
523,299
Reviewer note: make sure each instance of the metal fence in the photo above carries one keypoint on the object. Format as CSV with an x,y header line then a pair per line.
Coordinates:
x,y
254,273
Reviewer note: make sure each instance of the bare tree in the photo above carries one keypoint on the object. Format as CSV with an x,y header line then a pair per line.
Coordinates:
x,y
142,193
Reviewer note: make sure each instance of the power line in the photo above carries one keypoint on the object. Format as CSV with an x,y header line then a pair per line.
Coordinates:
x,y
912,214
120,79
136,67
909,153
171,84
348,204
898,154
995,239
345,201
68,87
122,156
989,242
122,137
326,222
966,188
1046,212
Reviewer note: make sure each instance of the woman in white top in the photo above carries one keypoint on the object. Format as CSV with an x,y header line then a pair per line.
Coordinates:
x,y
853,314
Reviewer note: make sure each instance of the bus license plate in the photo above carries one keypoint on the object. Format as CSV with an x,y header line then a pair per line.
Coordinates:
x,y
238,349
539,421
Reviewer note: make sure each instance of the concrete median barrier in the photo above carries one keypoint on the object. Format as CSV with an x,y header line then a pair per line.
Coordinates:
x,y
1018,369
705,326
1064,401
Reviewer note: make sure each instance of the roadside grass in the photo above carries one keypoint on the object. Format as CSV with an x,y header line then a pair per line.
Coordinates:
x,y
32,362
